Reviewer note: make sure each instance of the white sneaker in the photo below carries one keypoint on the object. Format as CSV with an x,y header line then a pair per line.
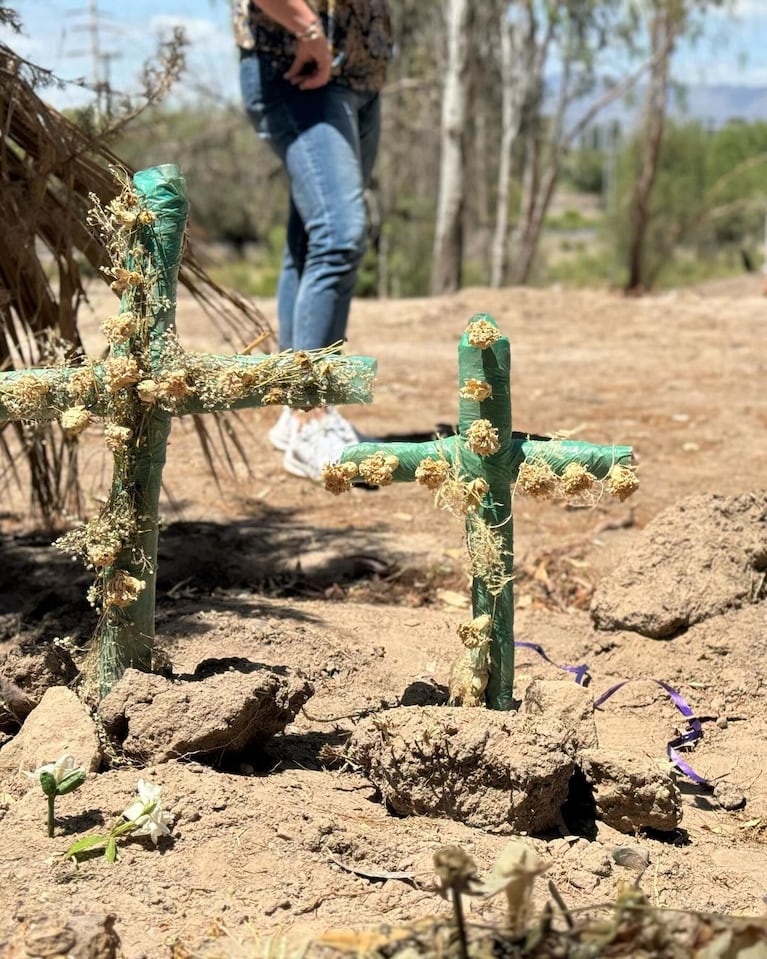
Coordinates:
x,y
282,431
317,442
343,428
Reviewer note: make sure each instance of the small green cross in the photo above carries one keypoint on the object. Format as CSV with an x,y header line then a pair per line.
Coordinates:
x,y
479,466
146,380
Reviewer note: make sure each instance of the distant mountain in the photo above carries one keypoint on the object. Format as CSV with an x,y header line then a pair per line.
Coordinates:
x,y
717,104
713,105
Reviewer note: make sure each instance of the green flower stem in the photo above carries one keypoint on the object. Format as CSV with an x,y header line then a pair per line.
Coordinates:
x,y
51,814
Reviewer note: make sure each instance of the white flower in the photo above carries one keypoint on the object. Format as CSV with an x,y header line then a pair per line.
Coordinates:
x,y
147,812
63,766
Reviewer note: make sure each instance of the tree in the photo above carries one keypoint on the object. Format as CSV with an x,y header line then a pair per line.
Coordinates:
x,y
447,255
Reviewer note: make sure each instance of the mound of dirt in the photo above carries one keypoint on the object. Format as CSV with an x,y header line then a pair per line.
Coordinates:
x,y
697,559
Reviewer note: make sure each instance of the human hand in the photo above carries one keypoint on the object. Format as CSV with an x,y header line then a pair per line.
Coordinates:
x,y
312,64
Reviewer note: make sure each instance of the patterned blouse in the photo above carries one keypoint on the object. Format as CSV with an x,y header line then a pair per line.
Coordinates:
x,y
358,30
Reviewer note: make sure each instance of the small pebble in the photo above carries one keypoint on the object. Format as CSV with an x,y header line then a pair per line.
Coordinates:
x,y
631,857
729,796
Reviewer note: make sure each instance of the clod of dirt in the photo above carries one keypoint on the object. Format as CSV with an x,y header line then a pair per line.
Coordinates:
x,y
566,703
61,724
25,676
225,707
696,559
491,770
631,793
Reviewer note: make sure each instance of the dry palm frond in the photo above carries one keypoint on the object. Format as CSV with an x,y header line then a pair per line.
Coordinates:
x,y
49,168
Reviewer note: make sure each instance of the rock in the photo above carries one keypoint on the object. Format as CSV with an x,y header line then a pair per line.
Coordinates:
x,y
729,796
631,857
225,707
696,559
493,770
60,724
567,704
89,936
24,678
631,793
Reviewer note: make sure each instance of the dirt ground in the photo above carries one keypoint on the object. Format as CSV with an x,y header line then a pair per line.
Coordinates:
x,y
363,593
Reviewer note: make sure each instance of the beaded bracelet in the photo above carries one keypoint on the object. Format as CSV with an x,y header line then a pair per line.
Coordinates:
x,y
312,32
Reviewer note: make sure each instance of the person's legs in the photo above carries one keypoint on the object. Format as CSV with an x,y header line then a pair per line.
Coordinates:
x,y
324,165
290,278
327,140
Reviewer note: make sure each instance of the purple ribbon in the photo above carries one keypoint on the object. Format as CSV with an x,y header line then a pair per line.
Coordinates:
x,y
581,673
691,735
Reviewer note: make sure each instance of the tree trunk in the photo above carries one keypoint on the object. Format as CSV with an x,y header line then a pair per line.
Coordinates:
x,y
662,33
447,253
514,91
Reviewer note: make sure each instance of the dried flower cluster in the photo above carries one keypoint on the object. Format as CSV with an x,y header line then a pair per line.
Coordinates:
x,y
26,396
121,589
101,540
621,481
116,437
475,632
378,469
338,477
577,479
482,334
75,420
432,473
482,438
478,390
459,497
120,328
537,479
121,371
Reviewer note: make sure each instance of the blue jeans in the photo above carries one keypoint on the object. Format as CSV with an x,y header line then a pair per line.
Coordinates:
x,y
327,140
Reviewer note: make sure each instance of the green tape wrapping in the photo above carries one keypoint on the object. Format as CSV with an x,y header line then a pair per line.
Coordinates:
x,y
127,635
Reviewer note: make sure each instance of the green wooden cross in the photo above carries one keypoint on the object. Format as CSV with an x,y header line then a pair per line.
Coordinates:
x,y
473,473
145,381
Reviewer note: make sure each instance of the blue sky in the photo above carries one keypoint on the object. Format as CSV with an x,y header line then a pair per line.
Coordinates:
x,y
733,49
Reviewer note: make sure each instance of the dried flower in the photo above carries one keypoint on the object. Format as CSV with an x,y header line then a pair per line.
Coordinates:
x,y
118,329
24,396
477,390
338,477
122,589
475,633
482,438
576,479
147,391
621,481
81,382
124,279
75,420
121,371
482,334
536,478
173,385
432,473
379,468
474,492
116,437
